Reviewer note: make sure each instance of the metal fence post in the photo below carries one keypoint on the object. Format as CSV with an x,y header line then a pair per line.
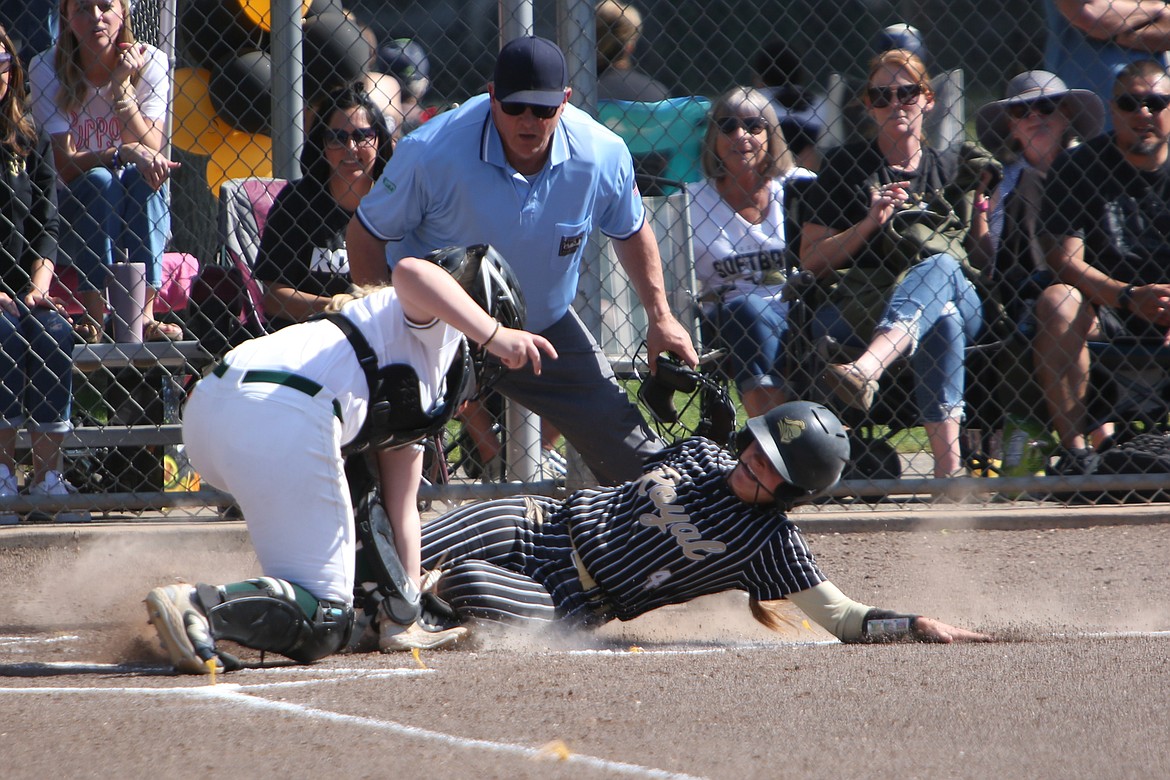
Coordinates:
x,y
288,105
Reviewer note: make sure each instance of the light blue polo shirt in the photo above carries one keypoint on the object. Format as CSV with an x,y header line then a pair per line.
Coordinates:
x,y
448,183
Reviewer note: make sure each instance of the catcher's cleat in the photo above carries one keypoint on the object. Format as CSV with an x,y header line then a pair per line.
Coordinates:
x,y
182,627
394,637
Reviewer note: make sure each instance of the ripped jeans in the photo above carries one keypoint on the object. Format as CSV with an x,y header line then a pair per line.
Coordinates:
x,y
938,305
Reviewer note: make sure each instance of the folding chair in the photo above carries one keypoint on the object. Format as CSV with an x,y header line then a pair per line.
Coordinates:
x,y
227,299
243,212
664,137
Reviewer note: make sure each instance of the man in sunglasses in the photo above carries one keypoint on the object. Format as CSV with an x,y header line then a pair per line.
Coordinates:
x,y
524,171
1106,214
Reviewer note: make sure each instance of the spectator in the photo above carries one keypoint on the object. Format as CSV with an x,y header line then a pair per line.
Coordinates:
x,y
1089,41
894,233
405,60
619,26
740,240
1106,212
523,170
386,93
779,71
303,261
1038,118
36,341
102,97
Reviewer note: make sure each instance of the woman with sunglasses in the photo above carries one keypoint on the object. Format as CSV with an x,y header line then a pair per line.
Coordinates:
x,y
102,97
36,341
742,242
897,292
303,261
1038,118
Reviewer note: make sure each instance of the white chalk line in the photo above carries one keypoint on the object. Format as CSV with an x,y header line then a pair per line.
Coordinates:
x,y
1114,634
6,641
727,648
238,693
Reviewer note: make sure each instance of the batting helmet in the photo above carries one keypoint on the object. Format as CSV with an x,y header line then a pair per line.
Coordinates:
x,y
491,282
804,442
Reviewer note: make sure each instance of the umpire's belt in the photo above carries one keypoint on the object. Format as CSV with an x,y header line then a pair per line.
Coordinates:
x,y
273,377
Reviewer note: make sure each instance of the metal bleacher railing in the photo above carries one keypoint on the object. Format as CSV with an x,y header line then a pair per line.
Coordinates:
x,y
245,71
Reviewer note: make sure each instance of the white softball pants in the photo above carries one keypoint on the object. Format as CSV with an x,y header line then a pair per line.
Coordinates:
x,y
278,452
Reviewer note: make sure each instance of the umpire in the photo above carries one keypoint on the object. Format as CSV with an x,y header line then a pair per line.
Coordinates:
x,y
523,170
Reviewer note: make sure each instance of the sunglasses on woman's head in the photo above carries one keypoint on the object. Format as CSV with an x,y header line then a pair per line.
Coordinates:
x,y
338,139
1128,103
1042,107
881,97
752,125
540,112
5,62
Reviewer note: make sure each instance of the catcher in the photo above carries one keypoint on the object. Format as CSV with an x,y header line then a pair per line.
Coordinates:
x,y
273,422
698,521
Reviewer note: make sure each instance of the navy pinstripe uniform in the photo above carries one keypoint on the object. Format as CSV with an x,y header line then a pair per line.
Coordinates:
x,y
674,534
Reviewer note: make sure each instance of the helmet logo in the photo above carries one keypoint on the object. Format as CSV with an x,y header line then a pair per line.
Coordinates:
x,y
790,429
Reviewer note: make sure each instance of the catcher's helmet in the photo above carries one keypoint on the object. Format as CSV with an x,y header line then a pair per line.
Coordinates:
x,y
487,278
804,441
490,281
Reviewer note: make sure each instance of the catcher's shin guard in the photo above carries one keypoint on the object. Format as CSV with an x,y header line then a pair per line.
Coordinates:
x,y
277,616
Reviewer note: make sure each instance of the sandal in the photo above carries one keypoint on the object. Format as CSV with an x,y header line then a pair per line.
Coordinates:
x,y
87,331
850,387
156,330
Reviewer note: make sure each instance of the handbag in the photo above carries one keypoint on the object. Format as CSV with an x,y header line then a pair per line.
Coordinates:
x,y
934,221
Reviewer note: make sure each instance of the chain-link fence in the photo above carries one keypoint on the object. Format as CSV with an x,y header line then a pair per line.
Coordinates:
x,y
828,229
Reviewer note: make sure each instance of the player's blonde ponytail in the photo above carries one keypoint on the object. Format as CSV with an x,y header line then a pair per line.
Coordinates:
x,y
341,299
769,614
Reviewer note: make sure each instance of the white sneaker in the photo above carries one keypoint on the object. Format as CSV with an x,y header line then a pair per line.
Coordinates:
x,y
182,628
394,637
56,485
8,490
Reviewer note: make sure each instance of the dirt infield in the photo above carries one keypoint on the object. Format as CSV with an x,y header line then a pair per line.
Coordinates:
x,y
1077,688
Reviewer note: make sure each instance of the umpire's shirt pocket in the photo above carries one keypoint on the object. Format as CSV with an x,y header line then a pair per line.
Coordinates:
x,y
569,238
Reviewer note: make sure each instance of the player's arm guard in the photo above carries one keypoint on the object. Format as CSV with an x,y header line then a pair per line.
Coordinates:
x,y
833,611
882,625
849,620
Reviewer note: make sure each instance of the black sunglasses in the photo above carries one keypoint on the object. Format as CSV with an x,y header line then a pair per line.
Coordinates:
x,y
5,62
540,112
361,136
881,97
752,125
1043,107
1130,103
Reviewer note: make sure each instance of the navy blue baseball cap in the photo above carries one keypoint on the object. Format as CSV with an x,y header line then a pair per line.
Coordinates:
x,y
531,70
405,59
